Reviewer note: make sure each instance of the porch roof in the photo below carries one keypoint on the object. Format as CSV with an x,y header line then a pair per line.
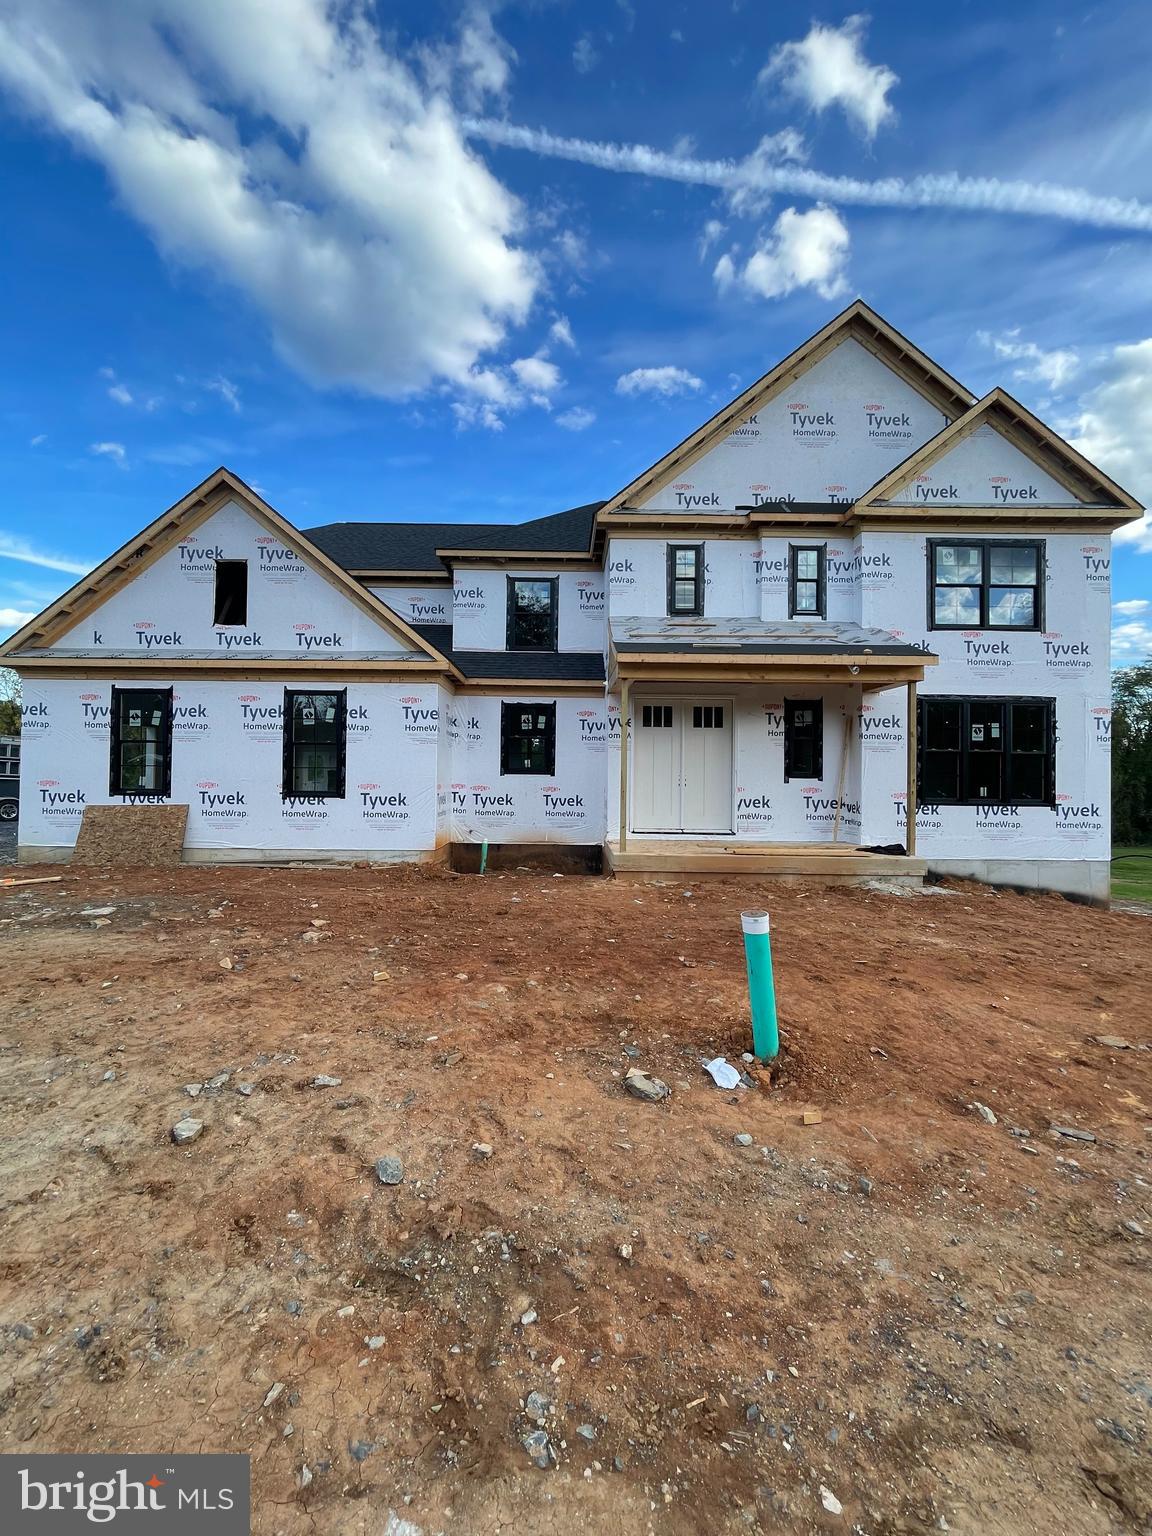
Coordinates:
x,y
763,648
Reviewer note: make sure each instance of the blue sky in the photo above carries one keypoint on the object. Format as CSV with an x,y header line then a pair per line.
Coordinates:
x,y
482,263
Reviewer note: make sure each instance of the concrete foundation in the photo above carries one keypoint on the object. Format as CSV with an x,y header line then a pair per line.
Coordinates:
x,y
1084,879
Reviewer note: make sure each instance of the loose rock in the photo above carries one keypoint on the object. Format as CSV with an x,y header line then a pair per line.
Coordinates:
x,y
742,1139
539,1448
390,1170
186,1130
985,1113
323,1081
1073,1133
643,1086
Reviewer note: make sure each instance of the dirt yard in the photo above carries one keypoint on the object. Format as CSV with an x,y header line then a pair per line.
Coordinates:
x,y
903,1318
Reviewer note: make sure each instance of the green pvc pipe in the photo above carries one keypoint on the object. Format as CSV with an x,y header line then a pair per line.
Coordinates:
x,y
483,855
761,988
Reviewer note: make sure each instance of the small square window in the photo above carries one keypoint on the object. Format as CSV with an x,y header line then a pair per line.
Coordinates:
x,y
528,738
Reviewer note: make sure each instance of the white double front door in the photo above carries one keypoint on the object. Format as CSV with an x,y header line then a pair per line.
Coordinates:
x,y
682,765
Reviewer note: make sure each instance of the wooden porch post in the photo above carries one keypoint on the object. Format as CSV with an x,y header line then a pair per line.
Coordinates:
x,y
910,802
625,699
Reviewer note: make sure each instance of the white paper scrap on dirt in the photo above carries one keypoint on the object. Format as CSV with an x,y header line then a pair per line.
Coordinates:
x,y
722,1073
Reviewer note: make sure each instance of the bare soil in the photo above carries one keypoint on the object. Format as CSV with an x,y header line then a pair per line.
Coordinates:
x,y
958,1342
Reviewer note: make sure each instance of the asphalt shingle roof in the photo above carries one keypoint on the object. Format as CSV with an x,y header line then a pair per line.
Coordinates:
x,y
546,666
413,546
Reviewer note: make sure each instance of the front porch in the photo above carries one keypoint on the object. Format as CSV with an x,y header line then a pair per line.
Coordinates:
x,y
744,747
834,863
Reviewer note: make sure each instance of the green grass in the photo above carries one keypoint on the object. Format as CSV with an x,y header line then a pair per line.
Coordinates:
x,y
1132,874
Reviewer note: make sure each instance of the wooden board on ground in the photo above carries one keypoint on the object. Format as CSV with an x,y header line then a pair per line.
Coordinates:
x,y
150,835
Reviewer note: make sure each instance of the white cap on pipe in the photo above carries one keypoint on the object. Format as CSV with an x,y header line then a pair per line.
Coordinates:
x,y
754,922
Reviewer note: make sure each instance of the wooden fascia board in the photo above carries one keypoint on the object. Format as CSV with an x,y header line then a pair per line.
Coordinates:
x,y
521,556
837,517
497,686
627,660
890,677
1061,518
50,661
484,562
277,672
400,578
856,322
674,522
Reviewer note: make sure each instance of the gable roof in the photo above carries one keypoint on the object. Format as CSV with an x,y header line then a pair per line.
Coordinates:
x,y
1024,431
522,666
416,549
176,523
859,322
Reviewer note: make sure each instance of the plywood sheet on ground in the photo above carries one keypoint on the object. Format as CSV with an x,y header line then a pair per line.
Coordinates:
x,y
151,835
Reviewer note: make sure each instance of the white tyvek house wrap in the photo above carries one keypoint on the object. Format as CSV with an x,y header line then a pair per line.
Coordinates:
x,y
743,577
480,608
227,764
831,435
291,606
565,807
984,469
418,604
1065,663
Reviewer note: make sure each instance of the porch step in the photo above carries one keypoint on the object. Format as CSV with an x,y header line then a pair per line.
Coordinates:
x,y
824,862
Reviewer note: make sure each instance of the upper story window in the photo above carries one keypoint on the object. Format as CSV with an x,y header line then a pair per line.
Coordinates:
x,y
806,581
314,744
686,579
230,604
141,748
985,584
532,609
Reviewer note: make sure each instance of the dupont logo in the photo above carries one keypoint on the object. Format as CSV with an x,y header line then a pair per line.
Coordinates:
x,y
838,493
1097,565
61,1495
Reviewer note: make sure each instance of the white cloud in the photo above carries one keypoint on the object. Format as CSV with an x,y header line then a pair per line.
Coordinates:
x,y
538,378
281,146
584,56
828,69
13,547
1133,606
576,420
1113,428
804,250
560,331
712,232
1053,369
665,381
115,451
227,391
41,437
1131,642
15,618
970,194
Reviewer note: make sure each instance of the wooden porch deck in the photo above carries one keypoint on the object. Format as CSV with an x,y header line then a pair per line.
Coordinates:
x,y
833,862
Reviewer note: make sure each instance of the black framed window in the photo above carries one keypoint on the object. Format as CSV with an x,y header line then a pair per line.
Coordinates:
x,y
528,738
986,751
141,746
230,600
532,605
315,743
686,579
985,584
806,581
803,739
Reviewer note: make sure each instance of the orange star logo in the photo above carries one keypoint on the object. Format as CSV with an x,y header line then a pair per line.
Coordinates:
x,y
154,1482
